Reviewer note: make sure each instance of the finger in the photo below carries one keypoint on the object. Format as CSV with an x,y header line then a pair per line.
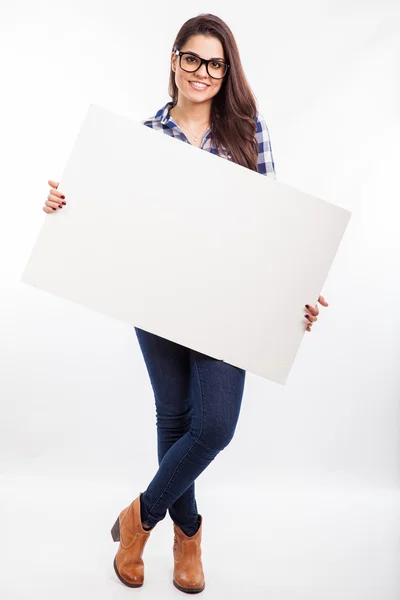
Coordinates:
x,y
311,319
57,199
314,310
48,209
314,314
52,204
322,301
55,192
53,184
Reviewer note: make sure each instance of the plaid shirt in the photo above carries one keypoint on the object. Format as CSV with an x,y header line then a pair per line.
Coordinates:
x,y
162,121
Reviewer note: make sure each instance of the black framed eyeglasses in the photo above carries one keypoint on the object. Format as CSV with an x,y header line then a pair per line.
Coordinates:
x,y
189,62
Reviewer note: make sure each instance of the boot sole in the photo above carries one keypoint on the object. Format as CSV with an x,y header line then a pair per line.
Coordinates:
x,y
189,590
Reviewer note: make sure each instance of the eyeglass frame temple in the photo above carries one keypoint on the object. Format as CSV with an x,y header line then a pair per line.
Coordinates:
x,y
203,61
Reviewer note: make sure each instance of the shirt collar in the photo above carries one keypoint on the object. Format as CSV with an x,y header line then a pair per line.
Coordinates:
x,y
163,117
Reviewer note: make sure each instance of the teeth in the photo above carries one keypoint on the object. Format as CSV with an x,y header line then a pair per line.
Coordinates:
x,y
199,85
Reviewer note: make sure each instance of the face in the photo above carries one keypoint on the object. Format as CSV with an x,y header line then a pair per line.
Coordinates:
x,y
206,47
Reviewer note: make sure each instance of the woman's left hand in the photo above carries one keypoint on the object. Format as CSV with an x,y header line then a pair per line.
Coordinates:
x,y
312,315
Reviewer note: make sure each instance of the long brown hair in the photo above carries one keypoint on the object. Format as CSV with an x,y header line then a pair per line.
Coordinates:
x,y
233,109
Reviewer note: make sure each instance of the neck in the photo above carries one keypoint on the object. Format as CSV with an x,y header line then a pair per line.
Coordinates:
x,y
195,113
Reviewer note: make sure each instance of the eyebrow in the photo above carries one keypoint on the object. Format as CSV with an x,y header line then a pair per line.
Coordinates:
x,y
198,56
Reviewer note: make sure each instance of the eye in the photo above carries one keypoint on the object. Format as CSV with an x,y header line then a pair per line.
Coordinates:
x,y
189,59
216,65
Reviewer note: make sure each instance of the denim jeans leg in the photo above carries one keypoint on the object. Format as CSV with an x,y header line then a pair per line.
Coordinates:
x,y
215,390
168,366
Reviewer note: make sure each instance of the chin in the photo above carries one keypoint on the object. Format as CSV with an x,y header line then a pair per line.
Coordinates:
x,y
199,100
196,97
200,96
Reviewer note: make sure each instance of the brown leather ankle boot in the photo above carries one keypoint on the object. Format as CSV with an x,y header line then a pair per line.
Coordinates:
x,y
188,568
128,530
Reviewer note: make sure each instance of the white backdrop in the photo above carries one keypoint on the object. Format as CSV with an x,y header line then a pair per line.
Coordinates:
x,y
312,475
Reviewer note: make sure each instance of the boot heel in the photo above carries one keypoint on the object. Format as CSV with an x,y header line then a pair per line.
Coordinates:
x,y
115,531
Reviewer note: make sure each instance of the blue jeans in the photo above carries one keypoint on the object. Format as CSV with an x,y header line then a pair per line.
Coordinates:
x,y
198,400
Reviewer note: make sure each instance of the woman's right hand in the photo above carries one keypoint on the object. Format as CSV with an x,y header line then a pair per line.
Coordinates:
x,y
55,199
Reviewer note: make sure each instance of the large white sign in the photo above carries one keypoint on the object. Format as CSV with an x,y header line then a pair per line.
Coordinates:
x,y
187,245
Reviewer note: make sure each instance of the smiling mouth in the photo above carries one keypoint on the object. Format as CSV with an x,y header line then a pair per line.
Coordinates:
x,y
199,84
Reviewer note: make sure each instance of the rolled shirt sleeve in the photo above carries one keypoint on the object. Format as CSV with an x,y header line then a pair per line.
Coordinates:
x,y
265,164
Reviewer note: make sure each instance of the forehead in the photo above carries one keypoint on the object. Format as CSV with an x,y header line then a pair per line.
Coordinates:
x,y
205,46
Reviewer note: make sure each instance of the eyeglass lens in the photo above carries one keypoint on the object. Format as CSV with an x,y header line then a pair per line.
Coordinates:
x,y
191,63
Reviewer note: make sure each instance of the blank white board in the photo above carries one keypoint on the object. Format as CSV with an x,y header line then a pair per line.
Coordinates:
x,y
187,245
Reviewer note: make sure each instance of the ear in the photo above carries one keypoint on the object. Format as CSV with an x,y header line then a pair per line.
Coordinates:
x,y
173,62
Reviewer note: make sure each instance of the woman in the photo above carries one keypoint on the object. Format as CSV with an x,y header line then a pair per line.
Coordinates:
x,y
198,398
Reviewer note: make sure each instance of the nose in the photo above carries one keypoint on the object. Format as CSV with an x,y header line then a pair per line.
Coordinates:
x,y
202,71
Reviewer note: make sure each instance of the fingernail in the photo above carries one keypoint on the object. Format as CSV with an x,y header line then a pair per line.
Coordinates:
x,y
60,206
307,306
64,203
63,197
53,208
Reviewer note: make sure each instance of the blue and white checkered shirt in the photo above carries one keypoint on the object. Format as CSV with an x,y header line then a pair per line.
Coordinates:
x,y
162,121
